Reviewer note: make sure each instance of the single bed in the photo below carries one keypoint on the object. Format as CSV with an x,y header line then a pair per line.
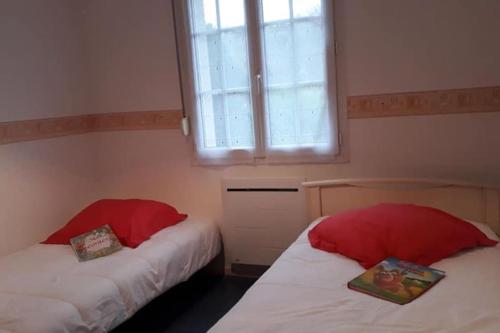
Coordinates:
x,y
45,289
305,290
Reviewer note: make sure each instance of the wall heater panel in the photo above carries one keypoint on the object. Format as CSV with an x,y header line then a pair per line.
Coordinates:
x,y
262,217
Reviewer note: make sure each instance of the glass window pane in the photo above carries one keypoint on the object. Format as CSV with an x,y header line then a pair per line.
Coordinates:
x,y
305,8
238,111
312,114
281,117
204,15
275,10
232,13
222,73
309,52
295,77
278,50
208,63
213,120
235,67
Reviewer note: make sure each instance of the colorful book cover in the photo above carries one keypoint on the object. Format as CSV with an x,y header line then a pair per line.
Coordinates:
x,y
96,243
396,280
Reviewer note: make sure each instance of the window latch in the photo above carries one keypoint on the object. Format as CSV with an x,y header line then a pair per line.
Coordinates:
x,y
258,83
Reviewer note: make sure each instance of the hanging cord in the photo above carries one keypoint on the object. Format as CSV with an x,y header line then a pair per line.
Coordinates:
x,y
181,82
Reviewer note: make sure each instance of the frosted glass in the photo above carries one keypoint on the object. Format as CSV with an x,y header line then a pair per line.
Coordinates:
x,y
281,113
295,76
234,50
309,52
312,114
278,41
295,99
208,62
237,104
311,98
306,8
275,10
239,117
222,75
232,13
213,119
204,15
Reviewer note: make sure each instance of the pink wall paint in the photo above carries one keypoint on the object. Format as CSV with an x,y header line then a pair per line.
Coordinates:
x,y
42,65
131,51
42,74
413,45
385,46
44,183
129,64
157,164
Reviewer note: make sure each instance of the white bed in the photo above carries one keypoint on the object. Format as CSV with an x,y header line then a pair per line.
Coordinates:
x,y
305,290
45,289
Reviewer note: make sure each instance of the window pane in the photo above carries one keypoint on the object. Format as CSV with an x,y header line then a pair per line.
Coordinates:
x,y
312,114
222,74
305,8
213,121
295,78
309,52
204,15
281,113
234,50
275,10
279,54
240,120
232,13
208,62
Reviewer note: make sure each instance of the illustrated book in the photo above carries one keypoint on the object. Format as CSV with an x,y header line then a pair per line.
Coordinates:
x,y
396,280
96,243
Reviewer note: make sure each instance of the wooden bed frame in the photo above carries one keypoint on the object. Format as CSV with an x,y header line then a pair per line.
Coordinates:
x,y
474,202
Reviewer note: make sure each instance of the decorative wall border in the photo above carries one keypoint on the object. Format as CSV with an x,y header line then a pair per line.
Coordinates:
x,y
470,100
37,129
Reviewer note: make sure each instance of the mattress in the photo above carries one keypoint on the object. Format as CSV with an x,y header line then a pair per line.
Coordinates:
x,y
45,289
305,290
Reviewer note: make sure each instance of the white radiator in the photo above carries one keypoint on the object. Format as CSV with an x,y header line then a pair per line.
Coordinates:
x,y
262,217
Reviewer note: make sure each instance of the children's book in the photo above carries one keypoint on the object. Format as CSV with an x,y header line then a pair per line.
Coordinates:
x,y
396,280
96,243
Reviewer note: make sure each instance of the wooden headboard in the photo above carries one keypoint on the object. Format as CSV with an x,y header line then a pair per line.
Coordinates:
x,y
473,202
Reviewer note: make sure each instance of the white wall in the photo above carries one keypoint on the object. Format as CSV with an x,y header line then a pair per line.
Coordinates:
x,y
43,184
42,71
131,49
414,45
42,74
385,46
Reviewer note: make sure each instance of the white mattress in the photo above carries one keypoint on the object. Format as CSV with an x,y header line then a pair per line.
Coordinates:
x,y
45,289
306,291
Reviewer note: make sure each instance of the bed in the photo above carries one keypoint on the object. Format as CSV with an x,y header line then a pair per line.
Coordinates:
x,y
305,289
45,289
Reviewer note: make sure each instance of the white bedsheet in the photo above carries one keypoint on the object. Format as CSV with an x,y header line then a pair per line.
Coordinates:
x,y
306,291
45,289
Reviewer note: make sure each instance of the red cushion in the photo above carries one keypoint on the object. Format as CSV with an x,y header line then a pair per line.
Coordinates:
x,y
133,221
422,235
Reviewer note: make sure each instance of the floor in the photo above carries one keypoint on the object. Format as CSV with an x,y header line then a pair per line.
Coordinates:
x,y
193,306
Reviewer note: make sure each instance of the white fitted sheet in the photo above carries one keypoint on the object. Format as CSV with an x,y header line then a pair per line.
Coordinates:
x,y
305,290
45,289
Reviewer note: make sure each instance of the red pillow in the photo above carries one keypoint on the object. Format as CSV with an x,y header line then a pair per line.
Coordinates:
x,y
133,221
422,235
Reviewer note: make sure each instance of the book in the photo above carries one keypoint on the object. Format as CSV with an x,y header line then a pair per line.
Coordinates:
x,y
396,280
96,243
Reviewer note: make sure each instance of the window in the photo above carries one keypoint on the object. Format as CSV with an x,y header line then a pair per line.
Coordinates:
x,y
261,80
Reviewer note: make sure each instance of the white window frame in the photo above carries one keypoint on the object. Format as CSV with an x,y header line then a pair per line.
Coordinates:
x,y
259,155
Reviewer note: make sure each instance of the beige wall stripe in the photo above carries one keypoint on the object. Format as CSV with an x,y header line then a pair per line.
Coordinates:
x,y
36,129
425,103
